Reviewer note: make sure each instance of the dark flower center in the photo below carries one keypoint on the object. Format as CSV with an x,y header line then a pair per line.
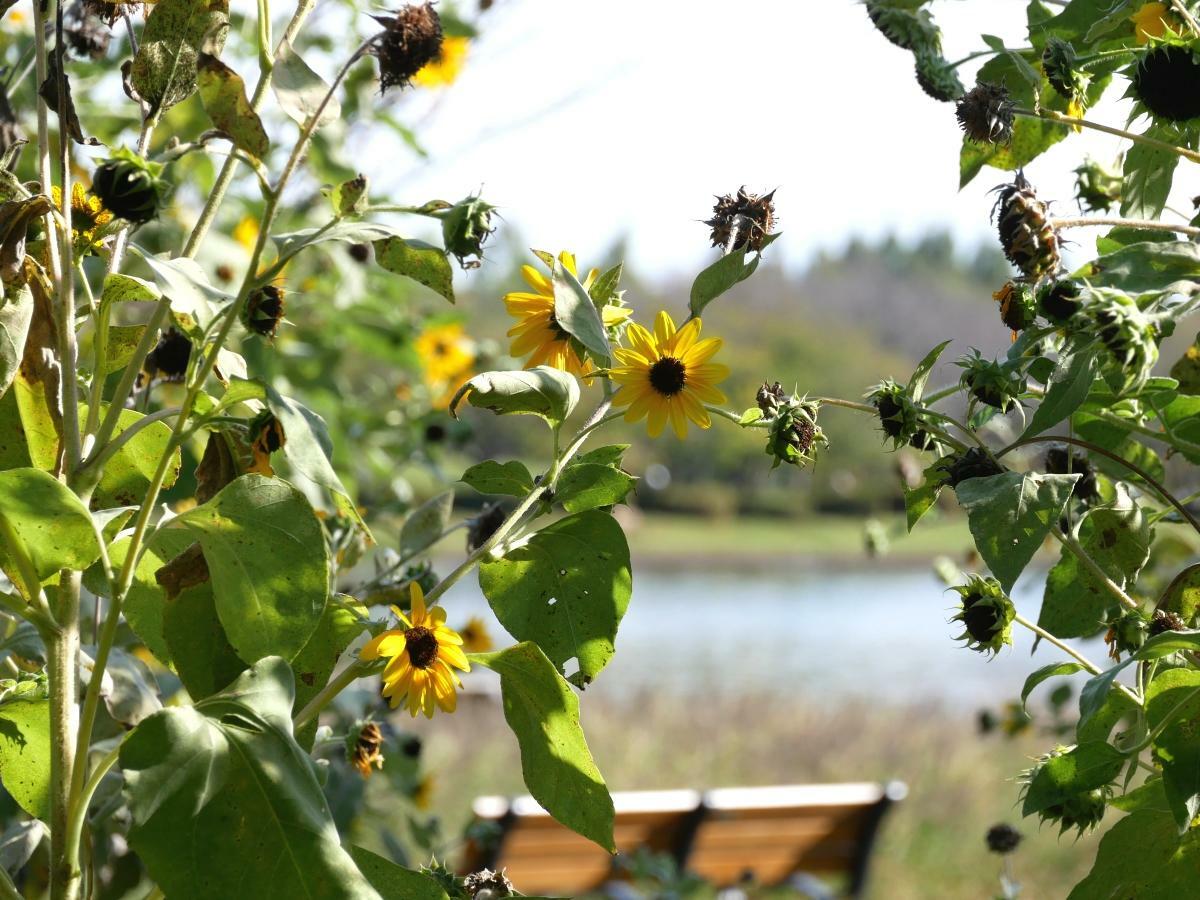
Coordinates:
x,y
668,376
422,647
560,333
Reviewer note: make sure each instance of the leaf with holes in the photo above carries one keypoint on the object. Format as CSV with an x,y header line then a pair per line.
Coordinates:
x,y
223,94
422,262
176,33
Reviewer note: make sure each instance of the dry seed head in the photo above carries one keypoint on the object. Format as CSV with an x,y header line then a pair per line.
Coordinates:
x,y
1026,233
742,220
985,114
412,39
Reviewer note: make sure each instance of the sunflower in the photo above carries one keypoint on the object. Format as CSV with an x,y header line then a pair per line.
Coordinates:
x,y
246,233
420,655
444,70
1151,21
445,351
87,216
538,332
667,375
475,636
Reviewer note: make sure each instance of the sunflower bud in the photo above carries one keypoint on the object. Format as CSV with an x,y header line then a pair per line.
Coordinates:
x,y
1026,233
992,383
168,361
486,884
1097,187
1130,336
1059,301
985,114
411,39
1167,82
1059,63
986,614
466,226
742,220
1127,634
1061,461
1016,305
906,28
1003,839
130,187
484,525
793,435
263,311
1165,621
898,415
364,745
937,77
973,463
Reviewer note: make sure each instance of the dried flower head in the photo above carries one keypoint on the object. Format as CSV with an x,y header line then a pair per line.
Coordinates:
x,y
742,220
770,398
412,38
1003,839
264,311
985,114
168,361
1165,621
898,415
1026,232
1167,82
1016,305
364,746
973,463
1060,300
1062,461
487,884
484,525
87,34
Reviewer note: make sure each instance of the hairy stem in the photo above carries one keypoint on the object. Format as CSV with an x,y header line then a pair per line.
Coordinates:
x,y
1117,221
1052,116
1093,567
79,810
1073,653
62,667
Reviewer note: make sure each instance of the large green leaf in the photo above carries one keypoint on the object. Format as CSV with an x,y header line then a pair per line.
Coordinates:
x,y
1082,768
490,477
590,485
728,271
1148,173
16,312
1010,515
268,561
176,32
343,620
223,94
128,472
540,391
25,747
1053,670
1148,266
1143,858
50,525
1173,704
422,262
198,646
1068,387
395,882
226,804
559,771
567,588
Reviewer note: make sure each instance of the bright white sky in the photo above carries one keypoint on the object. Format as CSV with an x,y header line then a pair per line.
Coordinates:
x,y
587,119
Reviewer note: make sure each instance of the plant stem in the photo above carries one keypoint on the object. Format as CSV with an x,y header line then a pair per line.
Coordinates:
x,y
45,174
1117,221
1073,653
847,404
348,676
1052,116
80,808
1180,8
1094,568
62,663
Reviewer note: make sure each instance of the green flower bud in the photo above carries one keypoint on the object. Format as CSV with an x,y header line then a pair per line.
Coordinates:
x,y
907,28
1127,634
793,436
898,415
937,77
1130,335
466,226
1059,64
986,615
1058,301
130,187
992,383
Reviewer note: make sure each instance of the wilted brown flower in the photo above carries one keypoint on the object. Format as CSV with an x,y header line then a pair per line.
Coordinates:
x,y
411,39
985,114
742,220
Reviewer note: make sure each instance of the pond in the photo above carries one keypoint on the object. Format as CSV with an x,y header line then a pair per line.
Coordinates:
x,y
834,633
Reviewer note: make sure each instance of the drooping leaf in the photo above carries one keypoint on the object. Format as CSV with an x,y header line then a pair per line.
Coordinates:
x,y
395,882
223,94
1053,670
585,485
228,774
16,312
1173,704
426,523
176,33
299,89
1148,172
540,391
490,477
920,376
50,525
422,262
129,690
567,588
1010,515
25,746
199,649
194,300
576,314
269,564
345,232
343,620
1094,693
1083,768
1069,385
725,273
543,712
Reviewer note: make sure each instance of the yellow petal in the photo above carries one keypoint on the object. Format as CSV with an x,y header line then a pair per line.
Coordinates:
x,y
656,418
695,410
678,417
416,598
615,315
685,338
454,656
537,281
702,352
664,329
710,373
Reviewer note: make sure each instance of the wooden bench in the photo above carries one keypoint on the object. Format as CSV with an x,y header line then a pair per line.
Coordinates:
x,y
767,835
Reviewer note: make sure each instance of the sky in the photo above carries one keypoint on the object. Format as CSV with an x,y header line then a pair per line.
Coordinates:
x,y
585,120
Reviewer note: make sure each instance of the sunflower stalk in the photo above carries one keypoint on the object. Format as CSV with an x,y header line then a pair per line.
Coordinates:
x,y
1116,221
1051,116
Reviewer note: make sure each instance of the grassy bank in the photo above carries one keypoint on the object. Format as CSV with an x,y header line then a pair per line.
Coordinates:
x,y
932,844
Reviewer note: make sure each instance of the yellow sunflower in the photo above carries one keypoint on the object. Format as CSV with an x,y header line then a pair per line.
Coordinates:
x,y
444,70
1151,21
420,655
476,638
246,233
87,215
667,376
446,352
538,332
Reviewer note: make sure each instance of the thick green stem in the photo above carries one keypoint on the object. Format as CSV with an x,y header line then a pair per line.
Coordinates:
x,y
1052,116
1071,652
62,665
1117,222
1094,568
83,800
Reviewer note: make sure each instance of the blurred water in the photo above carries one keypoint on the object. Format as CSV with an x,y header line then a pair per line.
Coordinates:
x,y
831,633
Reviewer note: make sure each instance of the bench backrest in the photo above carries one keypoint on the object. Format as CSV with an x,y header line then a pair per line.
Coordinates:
x,y
726,835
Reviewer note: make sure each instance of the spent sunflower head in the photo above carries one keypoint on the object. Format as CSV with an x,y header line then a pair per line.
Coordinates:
x,y
1166,81
364,747
537,333
1027,235
667,376
411,39
985,114
420,656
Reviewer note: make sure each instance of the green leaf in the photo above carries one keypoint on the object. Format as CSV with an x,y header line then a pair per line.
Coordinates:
x,y
1148,172
604,456
120,288
119,348
344,619
725,273
1173,704
1094,693
16,312
920,377
425,524
343,232
1069,385
268,561
49,524
1142,856
1148,266
1083,768
540,391
194,300
567,588
223,94
176,32
395,882
228,775
199,649
1010,515
300,90
490,477
241,390
604,288
1045,672
25,748
422,262
1167,643
590,485
128,472
576,314
543,712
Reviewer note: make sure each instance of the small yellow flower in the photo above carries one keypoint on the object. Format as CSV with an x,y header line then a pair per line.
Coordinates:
x,y
538,332
246,233
446,353
87,215
1151,21
444,70
422,794
420,655
667,376
476,638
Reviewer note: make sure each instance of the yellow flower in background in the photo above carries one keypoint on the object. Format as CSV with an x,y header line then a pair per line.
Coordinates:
x,y
87,214
667,376
246,233
420,655
538,333
422,795
476,638
446,353
1151,21
444,70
